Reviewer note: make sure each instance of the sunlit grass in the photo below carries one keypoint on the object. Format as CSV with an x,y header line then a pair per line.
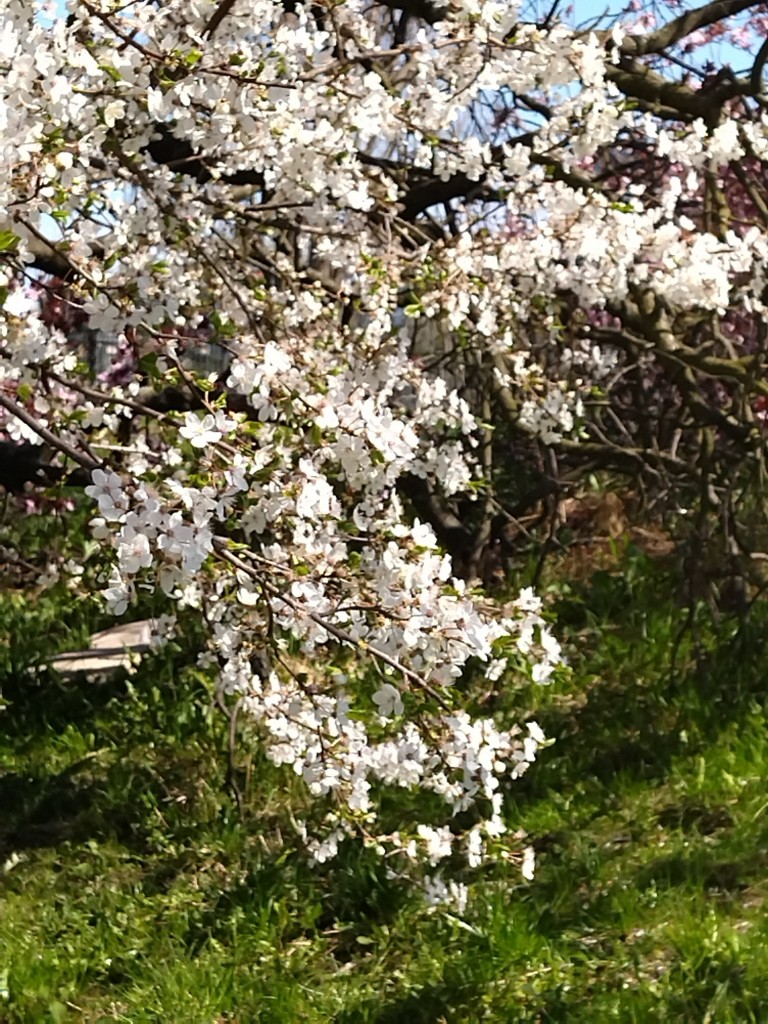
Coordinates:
x,y
133,891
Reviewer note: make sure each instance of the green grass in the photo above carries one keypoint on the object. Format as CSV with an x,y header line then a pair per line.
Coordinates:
x,y
133,891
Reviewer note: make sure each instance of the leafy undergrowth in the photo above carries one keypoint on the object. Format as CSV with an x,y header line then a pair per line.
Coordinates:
x,y
133,890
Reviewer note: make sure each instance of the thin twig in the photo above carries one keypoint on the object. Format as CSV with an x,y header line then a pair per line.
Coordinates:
x,y
86,461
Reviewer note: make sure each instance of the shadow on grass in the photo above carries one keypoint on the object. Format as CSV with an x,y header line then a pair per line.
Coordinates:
x,y
431,1003
657,692
39,812
82,760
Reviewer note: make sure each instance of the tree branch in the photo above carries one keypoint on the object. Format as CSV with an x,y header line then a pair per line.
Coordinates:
x,y
217,17
684,25
657,93
86,461
426,10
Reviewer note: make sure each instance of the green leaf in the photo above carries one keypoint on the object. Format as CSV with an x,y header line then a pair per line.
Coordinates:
x,y
58,1011
8,241
113,73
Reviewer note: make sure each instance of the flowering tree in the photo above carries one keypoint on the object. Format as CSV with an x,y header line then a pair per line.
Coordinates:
x,y
426,235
